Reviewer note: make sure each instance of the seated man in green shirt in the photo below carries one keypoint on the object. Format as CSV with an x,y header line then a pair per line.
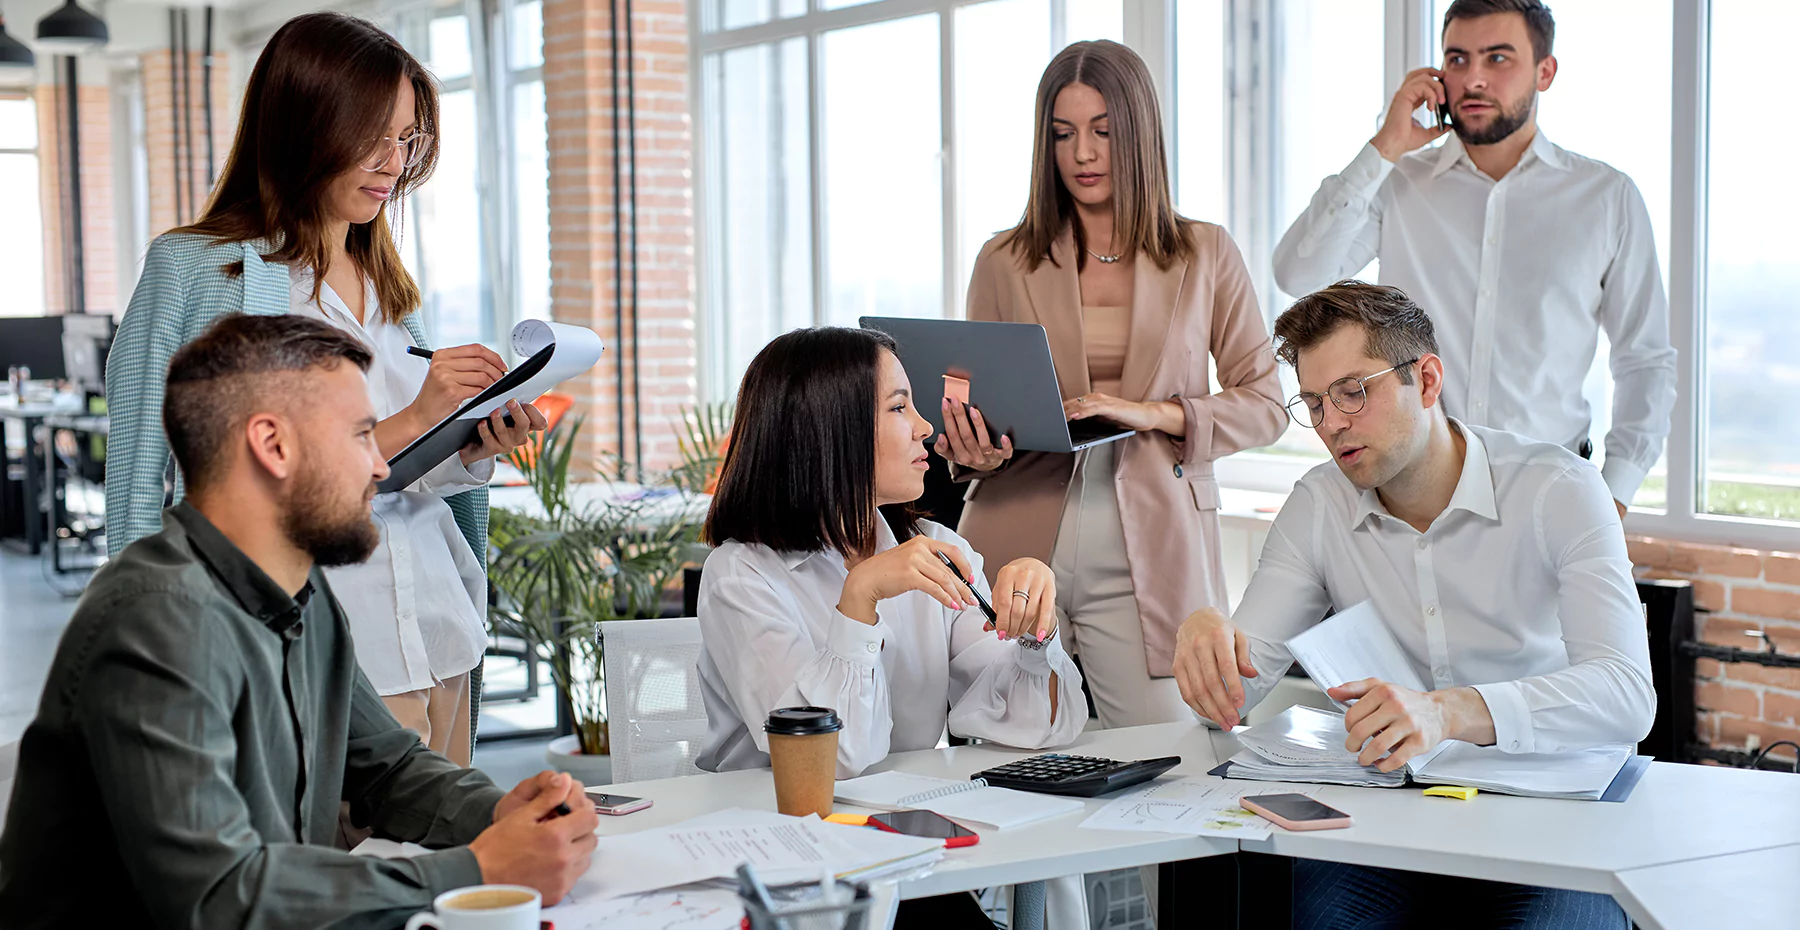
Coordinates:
x,y
204,716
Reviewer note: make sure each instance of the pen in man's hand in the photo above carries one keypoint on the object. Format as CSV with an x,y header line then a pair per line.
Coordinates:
x,y
422,353
560,810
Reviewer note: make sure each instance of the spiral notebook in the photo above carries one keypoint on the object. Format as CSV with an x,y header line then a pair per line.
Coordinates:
x,y
973,802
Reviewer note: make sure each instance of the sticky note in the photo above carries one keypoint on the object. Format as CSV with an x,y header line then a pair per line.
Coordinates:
x,y
849,820
957,389
1451,791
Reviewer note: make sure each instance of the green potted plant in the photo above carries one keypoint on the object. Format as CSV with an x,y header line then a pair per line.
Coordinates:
x,y
576,561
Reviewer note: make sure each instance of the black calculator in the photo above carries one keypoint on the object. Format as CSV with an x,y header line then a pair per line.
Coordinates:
x,y
1080,776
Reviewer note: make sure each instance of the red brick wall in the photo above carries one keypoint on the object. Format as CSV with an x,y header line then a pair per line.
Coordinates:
x,y
101,269
583,251
1744,589
161,126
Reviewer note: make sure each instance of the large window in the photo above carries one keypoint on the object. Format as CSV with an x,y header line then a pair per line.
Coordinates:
x,y
22,234
1751,453
856,157
477,235
884,141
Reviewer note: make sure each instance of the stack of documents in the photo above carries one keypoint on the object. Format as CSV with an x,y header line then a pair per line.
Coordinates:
x,y
973,802
781,849
1307,745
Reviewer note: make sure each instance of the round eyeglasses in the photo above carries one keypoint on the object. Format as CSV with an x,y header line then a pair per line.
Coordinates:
x,y
412,148
1349,395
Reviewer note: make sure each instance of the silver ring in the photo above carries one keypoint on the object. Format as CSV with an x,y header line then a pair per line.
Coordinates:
x,y
1022,594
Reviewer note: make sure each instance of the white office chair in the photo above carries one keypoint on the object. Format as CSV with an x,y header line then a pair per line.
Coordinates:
x,y
9,767
654,714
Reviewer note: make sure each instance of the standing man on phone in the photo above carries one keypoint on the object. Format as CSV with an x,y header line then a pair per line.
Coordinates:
x,y
1520,251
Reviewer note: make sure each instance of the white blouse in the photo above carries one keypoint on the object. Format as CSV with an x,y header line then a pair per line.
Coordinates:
x,y
416,606
773,637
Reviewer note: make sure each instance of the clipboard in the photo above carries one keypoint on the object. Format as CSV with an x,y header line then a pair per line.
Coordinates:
x,y
524,383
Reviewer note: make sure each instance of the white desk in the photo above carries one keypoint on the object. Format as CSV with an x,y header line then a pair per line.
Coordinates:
x,y
1677,812
1042,850
1749,889
1680,821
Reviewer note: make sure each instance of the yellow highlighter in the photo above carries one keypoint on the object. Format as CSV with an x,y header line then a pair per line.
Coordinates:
x,y
849,820
1451,791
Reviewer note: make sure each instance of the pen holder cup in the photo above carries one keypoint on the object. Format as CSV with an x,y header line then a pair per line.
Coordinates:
x,y
802,907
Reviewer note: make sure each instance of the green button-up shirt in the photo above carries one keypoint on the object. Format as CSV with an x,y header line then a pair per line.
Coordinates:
x,y
195,737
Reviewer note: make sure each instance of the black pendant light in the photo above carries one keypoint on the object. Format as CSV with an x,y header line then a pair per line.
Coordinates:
x,y
70,30
17,64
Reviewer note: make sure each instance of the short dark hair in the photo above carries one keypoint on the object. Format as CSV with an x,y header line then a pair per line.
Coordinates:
x,y
1396,328
799,474
1538,22
217,381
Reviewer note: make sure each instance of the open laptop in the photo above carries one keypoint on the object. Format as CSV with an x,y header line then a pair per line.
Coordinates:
x,y
1010,375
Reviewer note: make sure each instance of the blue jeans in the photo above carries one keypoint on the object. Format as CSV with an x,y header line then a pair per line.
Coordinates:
x,y
1335,896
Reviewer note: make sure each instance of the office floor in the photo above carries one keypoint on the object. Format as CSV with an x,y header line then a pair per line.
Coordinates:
x,y
32,618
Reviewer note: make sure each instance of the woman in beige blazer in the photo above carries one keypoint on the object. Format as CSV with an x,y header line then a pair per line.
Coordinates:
x,y
1133,298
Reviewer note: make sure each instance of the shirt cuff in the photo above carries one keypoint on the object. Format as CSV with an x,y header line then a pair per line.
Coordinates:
x,y
1041,662
1622,477
449,869
1366,172
855,642
1512,718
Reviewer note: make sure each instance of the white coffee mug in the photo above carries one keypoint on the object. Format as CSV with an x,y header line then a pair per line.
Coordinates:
x,y
482,907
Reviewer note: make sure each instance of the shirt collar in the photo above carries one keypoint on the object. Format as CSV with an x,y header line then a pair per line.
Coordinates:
x,y
243,579
884,540
1474,489
301,277
1541,149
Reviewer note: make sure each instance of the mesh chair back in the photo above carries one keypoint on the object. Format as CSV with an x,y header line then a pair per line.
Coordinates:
x,y
655,717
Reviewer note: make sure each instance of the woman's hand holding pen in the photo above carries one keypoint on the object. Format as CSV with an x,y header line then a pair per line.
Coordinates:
x,y
965,439
457,374
913,565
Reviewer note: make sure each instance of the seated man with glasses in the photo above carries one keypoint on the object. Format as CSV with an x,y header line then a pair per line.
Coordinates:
x,y
1498,562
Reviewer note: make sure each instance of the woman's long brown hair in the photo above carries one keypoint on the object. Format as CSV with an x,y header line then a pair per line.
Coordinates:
x,y
1144,217
319,98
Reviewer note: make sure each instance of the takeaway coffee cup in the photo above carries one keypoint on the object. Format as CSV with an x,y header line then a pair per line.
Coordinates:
x,y
803,744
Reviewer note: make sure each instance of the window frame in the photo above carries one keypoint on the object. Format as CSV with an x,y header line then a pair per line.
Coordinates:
x,y
1410,40
493,77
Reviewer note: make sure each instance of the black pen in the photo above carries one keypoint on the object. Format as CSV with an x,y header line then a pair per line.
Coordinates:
x,y
560,810
422,353
986,608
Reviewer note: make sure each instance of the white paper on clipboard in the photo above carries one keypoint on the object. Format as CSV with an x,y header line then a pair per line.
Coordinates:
x,y
575,350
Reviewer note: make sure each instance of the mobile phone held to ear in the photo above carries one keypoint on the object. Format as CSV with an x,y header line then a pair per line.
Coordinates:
x,y
928,824
1295,812
615,804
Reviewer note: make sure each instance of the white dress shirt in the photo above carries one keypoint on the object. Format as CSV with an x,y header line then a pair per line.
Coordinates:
x,y
773,637
1521,588
1518,276
416,606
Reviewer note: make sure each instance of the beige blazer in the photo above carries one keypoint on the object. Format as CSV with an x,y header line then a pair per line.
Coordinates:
x,y
1168,497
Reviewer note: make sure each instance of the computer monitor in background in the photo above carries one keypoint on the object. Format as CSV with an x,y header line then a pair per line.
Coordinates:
x,y
35,342
85,341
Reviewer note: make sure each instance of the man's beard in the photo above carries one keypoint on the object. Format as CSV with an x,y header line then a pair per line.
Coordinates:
x,y
1505,122
333,532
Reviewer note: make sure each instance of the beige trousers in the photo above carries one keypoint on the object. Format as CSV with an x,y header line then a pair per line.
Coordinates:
x,y
1096,605
439,715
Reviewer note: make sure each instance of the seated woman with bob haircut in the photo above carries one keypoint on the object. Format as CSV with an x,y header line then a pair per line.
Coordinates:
x,y
826,588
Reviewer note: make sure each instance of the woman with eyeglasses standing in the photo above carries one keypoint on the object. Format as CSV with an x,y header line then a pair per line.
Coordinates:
x,y
337,123
1134,299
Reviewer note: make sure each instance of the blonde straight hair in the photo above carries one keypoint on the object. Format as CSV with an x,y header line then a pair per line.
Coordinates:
x,y
1144,218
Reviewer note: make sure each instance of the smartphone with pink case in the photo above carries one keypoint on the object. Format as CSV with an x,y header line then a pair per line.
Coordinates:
x,y
1295,812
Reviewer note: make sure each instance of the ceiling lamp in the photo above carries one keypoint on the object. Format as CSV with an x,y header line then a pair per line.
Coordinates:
x,y
70,30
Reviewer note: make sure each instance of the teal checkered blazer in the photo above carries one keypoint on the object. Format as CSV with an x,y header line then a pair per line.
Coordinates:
x,y
183,289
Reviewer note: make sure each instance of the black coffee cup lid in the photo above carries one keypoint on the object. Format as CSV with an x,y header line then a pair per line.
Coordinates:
x,y
802,721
